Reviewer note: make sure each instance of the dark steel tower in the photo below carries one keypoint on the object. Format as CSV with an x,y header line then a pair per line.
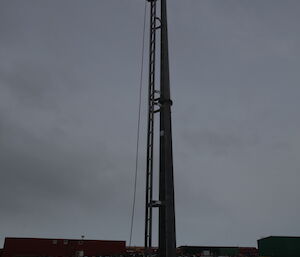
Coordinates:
x,y
161,99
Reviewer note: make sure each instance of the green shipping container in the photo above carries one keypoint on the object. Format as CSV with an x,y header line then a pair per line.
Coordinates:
x,y
279,246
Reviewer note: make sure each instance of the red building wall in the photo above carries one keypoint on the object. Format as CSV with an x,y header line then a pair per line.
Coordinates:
x,y
248,251
31,247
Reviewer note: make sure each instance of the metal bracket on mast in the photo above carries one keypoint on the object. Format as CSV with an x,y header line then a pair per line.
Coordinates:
x,y
156,204
159,26
164,101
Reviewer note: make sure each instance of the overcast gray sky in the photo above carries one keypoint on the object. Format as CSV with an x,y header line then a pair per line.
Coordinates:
x,y
69,74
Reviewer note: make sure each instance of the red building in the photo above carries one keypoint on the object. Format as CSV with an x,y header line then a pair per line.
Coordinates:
x,y
38,247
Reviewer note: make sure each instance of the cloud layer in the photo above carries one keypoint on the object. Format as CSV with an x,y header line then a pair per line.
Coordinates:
x,y
68,105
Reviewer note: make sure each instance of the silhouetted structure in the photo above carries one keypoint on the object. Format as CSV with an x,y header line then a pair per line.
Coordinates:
x,y
279,246
162,101
231,251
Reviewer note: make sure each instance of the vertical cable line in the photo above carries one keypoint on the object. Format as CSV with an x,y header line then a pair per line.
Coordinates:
x,y
138,128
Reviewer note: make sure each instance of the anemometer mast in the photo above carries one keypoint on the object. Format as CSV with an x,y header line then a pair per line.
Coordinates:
x,y
159,102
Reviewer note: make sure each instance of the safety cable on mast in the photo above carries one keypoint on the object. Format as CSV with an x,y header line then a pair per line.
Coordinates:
x,y
138,128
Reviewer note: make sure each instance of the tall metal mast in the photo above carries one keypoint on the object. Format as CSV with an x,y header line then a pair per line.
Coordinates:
x,y
167,233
